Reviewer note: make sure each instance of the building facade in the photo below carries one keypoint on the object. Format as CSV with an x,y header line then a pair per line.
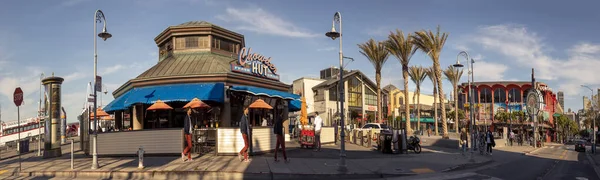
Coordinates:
x,y
561,99
303,86
360,94
508,96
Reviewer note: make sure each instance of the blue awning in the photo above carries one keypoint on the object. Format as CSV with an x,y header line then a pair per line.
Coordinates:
x,y
168,93
295,105
118,103
265,92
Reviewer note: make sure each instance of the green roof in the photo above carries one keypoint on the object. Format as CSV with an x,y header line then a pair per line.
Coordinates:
x,y
189,63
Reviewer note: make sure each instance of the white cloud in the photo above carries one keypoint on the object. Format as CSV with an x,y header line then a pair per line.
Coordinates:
x,y
526,49
260,21
75,76
327,49
487,71
112,69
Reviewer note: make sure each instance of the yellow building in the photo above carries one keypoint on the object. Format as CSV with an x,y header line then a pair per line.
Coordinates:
x,y
396,99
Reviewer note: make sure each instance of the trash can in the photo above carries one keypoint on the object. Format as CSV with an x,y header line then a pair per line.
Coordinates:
x,y
23,146
385,141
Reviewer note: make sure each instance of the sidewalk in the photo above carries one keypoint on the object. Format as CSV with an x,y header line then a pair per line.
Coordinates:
x,y
361,163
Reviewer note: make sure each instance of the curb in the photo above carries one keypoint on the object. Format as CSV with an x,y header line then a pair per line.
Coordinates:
x,y
594,164
468,166
199,175
535,150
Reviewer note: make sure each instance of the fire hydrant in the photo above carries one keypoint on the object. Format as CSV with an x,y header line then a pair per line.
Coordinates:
x,y
140,154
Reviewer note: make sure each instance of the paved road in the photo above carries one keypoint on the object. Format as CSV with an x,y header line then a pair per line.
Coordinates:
x,y
552,162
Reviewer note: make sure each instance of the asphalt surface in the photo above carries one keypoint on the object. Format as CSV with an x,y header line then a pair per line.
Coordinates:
x,y
552,162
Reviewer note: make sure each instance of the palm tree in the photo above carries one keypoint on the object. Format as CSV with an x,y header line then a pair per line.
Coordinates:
x,y
403,49
431,74
418,75
432,44
377,55
453,75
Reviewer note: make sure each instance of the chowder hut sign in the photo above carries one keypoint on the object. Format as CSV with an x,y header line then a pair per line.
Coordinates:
x,y
255,64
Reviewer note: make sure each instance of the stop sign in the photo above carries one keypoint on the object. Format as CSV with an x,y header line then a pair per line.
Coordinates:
x,y
18,96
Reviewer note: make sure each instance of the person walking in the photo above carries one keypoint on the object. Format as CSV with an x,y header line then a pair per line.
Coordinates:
x,y
278,130
335,132
463,140
318,123
244,129
490,142
187,131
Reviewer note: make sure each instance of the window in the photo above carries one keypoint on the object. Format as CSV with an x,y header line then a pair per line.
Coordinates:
x,y
225,45
515,95
401,99
192,42
333,93
499,95
485,95
354,92
371,98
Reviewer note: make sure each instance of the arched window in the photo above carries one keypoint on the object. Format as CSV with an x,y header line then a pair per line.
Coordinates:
x,y
485,95
514,95
500,95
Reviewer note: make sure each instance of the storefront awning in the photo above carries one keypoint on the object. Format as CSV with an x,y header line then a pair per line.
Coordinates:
x,y
295,105
265,92
117,104
168,93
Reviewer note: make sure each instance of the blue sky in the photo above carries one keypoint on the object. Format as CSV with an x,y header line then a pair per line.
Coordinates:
x,y
506,38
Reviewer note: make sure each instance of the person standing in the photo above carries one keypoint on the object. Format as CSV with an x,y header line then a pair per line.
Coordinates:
x,y
187,131
463,140
244,129
278,130
335,132
490,142
318,124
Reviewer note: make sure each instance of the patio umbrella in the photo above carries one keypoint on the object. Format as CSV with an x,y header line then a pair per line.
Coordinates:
x,y
260,104
196,103
100,113
303,112
159,105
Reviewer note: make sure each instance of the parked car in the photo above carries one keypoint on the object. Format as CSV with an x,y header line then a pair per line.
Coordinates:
x,y
580,146
375,126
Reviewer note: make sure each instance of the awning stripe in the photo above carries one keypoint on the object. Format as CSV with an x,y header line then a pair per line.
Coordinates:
x,y
265,92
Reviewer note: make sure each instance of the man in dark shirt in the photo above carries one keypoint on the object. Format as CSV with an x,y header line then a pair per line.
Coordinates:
x,y
278,130
244,129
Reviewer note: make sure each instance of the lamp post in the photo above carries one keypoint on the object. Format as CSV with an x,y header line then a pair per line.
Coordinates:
x,y
472,101
40,116
337,17
593,119
98,18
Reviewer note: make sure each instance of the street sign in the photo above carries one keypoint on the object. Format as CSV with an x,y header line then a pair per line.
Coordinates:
x,y
98,83
18,96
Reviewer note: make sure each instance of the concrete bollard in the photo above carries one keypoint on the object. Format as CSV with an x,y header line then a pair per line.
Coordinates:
x,y
140,154
72,150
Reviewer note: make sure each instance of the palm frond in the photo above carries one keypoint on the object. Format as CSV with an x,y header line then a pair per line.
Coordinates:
x,y
417,75
375,52
430,73
400,46
453,74
430,43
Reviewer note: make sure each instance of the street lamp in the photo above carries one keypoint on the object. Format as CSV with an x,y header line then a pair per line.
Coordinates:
x,y
337,17
98,18
472,101
593,119
40,116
